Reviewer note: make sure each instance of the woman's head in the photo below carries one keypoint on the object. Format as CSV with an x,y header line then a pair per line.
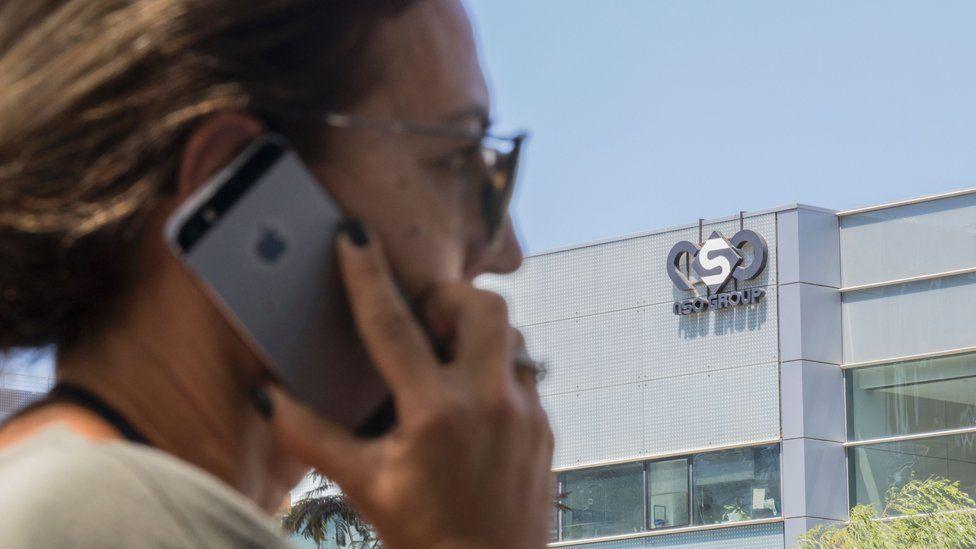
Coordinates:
x,y
114,110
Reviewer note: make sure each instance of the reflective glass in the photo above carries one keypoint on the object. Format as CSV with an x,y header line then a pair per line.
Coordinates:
x,y
909,319
878,467
736,485
603,502
667,493
911,240
912,397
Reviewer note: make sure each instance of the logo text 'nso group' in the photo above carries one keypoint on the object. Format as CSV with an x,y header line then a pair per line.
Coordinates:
x,y
715,263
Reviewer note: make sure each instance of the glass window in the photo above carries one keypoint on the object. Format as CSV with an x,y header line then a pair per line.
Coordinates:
x,y
735,485
878,467
667,493
911,240
603,502
912,397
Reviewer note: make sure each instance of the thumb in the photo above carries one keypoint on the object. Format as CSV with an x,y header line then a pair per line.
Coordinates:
x,y
318,442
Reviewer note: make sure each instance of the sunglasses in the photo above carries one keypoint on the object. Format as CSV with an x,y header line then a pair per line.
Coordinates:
x,y
492,168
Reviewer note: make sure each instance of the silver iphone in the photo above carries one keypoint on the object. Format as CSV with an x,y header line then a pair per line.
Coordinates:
x,y
259,236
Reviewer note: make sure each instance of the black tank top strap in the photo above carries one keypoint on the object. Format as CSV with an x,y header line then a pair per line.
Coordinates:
x,y
64,392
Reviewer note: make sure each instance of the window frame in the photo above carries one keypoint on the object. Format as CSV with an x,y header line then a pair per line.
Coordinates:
x,y
753,456
647,496
689,484
914,362
608,468
854,444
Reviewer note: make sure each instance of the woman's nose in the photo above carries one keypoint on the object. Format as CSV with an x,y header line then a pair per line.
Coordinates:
x,y
502,256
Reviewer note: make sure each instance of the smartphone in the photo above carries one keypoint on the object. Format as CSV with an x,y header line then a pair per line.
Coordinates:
x,y
259,237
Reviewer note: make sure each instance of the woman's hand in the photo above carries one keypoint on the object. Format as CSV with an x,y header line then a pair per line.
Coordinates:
x,y
468,464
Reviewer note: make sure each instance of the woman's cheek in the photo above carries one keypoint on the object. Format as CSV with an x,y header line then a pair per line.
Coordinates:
x,y
425,262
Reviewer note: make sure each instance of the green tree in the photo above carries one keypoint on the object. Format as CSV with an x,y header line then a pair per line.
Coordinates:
x,y
922,513
325,510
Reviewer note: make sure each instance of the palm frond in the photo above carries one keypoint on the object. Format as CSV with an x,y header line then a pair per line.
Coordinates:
x,y
311,516
559,503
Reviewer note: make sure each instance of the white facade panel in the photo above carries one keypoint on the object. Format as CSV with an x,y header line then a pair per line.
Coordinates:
x,y
629,378
651,343
623,274
591,352
597,425
714,408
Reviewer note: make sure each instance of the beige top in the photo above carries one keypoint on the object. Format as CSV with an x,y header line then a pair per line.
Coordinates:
x,y
58,489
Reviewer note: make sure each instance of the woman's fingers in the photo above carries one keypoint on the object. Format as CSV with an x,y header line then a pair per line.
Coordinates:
x,y
527,370
318,442
392,336
484,343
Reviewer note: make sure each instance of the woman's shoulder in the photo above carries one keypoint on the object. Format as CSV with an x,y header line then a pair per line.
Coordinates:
x,y
60,489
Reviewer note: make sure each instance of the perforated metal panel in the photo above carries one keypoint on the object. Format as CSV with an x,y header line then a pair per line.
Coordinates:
x,y
612,276
598,424
713,408
763,536
591,352
12,400
651,343
19,390
629,378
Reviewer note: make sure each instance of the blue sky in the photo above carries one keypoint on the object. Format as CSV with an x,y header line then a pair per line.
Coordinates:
x,y
647,114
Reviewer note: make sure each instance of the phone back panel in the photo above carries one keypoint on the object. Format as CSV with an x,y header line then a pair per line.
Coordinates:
x,y
268,262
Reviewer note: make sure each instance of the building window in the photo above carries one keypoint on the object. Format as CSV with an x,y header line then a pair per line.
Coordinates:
x,y
667,493
717,487
876,468
912,397
603,502
736,485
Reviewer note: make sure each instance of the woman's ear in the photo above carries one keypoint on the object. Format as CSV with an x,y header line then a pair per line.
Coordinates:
x,y
212,145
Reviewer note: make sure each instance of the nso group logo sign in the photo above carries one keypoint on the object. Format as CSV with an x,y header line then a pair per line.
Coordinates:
x,y
714,264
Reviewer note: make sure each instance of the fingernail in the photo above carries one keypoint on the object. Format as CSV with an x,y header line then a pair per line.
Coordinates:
x,y
261,401
357,233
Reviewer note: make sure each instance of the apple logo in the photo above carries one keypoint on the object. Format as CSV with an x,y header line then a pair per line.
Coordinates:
x,y
271,246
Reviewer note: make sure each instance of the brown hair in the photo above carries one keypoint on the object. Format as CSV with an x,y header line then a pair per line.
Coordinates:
x,y
96,100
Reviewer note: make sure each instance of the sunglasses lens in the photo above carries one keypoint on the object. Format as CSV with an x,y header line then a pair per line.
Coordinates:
x,y
499,186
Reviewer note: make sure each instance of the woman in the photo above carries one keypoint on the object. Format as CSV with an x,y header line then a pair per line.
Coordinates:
x,y
113,112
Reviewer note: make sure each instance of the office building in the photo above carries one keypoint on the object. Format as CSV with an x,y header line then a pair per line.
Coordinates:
x,y
734,382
